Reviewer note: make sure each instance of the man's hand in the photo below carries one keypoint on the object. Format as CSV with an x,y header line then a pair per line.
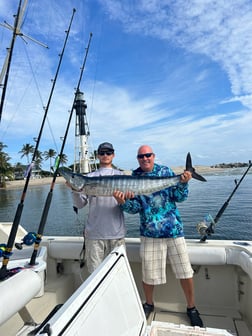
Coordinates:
x,y
121,197
186,176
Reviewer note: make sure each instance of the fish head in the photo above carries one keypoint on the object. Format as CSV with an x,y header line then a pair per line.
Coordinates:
x,y
76,181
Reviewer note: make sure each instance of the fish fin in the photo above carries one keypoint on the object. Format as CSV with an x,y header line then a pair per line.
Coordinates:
x,y
190,168
198,177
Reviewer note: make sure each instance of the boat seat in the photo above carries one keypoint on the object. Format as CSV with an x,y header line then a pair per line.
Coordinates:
x,y
17,291
66,249
210,256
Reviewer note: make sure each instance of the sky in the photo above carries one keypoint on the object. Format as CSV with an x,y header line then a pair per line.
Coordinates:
x,y
176,75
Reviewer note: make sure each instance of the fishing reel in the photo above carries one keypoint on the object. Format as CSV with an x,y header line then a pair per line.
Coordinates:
x,y
2,249
28,240
206,227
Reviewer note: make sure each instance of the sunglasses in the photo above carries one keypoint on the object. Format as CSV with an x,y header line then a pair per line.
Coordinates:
x,y
105,153
141,156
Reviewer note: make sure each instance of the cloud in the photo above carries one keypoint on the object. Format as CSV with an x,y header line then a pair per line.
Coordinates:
x,y
220,30
172,74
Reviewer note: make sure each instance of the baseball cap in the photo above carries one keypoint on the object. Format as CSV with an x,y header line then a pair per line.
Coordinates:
x,y
105,146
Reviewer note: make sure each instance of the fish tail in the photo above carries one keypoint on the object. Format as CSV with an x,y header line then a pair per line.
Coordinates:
x,y
190,168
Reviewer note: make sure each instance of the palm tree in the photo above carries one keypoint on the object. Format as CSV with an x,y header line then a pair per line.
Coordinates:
x,y
64,159
26,150
5,167
2,146
19,170
38,159
51,153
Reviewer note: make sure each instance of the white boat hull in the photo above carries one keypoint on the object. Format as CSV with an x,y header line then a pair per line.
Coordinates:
x,y
223,285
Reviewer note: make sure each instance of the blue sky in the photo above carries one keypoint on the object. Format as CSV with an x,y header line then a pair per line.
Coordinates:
x,y
176,75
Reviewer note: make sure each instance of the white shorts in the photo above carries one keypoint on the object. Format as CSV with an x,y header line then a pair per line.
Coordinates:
x,y
96,250
154,253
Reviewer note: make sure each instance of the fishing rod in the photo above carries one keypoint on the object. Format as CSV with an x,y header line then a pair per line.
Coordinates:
x,y
205,230
10,51
38,236
8,250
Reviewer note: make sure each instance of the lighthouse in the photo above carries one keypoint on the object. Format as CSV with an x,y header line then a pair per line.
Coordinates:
x,y
81,161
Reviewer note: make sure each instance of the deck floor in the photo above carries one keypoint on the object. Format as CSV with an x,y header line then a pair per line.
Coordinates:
x,y
235,326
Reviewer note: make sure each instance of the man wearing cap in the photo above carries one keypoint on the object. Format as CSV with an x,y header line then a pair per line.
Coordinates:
x,y
105,228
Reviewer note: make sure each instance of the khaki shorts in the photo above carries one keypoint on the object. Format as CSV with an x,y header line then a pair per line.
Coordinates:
x,y
96,250
154,253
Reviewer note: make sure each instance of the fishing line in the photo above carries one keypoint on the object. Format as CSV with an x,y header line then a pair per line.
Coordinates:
x,y
57,164
40,97
8,250
39,92
202,227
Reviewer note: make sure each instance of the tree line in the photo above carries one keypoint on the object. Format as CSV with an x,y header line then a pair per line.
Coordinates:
x,y
10,172
231,165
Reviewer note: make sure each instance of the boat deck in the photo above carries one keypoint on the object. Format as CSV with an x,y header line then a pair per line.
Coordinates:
x,y
230,321
223,287
222,320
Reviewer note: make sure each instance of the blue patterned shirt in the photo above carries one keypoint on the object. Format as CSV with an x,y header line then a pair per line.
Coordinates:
x,y
159,216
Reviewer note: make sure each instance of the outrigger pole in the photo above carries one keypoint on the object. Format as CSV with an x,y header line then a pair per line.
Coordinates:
x,y
8,250
7,63
58,160
207,231
15,30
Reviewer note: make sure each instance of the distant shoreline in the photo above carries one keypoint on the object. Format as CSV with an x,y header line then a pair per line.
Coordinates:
x,y
17,184
200,169
48,180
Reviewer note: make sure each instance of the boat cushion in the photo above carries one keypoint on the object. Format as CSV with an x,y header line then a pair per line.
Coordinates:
x,y
72,249
204,255
17,291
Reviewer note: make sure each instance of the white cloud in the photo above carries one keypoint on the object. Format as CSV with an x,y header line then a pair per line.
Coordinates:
x,y
157,73
220,30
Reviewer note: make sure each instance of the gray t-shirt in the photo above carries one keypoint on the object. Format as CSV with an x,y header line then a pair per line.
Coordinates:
x,y
105,218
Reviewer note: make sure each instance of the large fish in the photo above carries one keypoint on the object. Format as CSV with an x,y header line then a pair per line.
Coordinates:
x,y
139,185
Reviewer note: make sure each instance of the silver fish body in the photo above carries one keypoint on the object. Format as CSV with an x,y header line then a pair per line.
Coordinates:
x,y
106,185
139,185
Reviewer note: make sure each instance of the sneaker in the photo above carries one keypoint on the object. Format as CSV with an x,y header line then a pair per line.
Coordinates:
x,y
194,317
148,309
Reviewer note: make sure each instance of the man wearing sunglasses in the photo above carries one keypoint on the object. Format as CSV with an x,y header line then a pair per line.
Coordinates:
x,y
105,228
161,233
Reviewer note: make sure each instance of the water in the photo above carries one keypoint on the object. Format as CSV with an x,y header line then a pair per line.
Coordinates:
x,y
204,198
208,198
